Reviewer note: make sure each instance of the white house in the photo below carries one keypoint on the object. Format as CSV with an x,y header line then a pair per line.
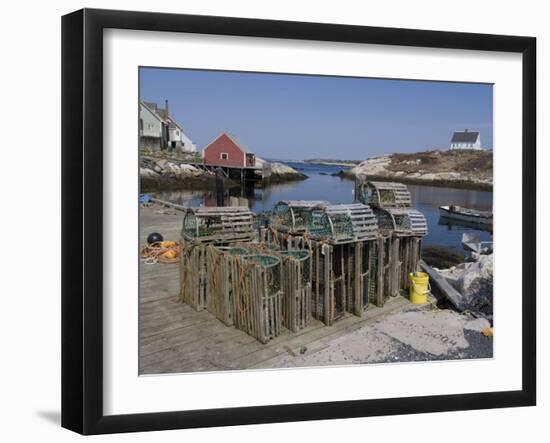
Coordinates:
x,y
152,129
466,140
158,130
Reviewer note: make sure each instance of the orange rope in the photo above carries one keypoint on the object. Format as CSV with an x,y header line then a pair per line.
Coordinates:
x,y
160,252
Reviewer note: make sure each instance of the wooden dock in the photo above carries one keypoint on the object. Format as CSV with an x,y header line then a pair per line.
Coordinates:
x,y
175,338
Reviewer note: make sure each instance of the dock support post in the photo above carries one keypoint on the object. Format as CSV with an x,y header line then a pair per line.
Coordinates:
x,y
219,189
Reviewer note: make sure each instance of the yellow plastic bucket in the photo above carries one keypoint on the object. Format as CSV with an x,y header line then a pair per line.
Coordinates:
x,y
419,287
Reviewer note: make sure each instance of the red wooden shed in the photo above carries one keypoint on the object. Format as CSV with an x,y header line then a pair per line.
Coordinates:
x,y
226,150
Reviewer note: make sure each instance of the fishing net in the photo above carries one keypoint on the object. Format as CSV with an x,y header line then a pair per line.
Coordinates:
x,y
402,222
294,215
271,268
385,220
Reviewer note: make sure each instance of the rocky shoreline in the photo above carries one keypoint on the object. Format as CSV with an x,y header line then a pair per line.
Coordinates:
x,y
170,174
474,282
283,173
460,169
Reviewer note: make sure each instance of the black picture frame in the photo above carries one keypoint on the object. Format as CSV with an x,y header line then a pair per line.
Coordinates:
x,y
82,218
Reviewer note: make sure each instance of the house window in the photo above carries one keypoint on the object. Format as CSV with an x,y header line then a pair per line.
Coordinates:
x,y
224,156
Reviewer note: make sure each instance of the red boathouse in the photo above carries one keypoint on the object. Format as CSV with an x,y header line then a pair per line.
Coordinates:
x,y
227,151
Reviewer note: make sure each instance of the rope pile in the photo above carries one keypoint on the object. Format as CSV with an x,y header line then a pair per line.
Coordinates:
x,y
160,252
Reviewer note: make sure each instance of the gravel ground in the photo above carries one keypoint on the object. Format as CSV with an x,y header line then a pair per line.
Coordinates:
x,y
417,334
479,346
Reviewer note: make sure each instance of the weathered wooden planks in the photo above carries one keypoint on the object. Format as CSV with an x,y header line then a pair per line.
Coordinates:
x,y
296,278
193,274
258,296
223,263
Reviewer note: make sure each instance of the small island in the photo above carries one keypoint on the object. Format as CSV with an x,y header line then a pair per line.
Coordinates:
x,y
464,168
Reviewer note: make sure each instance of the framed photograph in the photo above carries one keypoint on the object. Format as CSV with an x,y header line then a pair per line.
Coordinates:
x,y
268,221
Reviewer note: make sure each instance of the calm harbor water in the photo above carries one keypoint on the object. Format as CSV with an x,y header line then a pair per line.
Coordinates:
x,y
322,186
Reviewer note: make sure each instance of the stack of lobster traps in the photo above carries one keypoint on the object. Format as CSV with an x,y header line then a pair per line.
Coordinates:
x,y
306,259
246,289
401,230
221,226
286,295
343,241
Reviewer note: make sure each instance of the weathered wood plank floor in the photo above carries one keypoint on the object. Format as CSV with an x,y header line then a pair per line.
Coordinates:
x,y
175,338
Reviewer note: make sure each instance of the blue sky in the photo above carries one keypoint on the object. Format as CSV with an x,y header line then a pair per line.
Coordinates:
x,y
299,117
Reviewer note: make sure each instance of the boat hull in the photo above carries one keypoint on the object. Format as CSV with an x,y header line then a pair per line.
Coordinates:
x,y
468,218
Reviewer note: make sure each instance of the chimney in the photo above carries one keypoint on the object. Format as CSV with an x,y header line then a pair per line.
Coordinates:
x,y
166,107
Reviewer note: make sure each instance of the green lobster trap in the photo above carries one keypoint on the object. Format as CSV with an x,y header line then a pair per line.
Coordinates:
x,y
401,222
382,194
201,227
258,296
346,223
293,216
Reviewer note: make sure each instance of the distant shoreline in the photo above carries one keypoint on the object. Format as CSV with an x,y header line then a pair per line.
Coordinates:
x,y
454,184
326,162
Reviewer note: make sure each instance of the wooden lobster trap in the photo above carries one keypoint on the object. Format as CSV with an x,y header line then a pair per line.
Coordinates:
x,y
401,232
258,296
343,241
223,265
296,277
201,227
382,194
218,224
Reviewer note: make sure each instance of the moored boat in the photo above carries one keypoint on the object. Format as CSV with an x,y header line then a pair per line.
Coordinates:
x,y
460,213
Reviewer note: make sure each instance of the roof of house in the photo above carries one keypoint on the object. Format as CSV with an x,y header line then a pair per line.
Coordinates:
x,y
161,114
152,108
234,139
150,105
465,136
